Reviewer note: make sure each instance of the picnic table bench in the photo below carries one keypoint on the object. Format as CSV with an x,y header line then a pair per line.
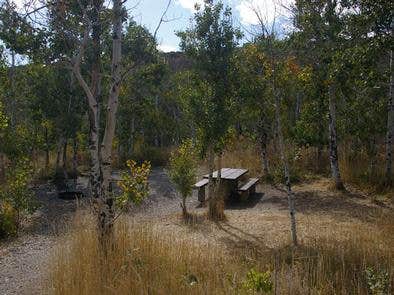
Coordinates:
x,y
200,186
248,188
230,178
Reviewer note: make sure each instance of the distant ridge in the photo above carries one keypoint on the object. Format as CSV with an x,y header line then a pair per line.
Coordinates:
x,y
177,61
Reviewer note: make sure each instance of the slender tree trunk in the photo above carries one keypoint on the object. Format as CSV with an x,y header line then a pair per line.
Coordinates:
x,y
298,106
334,163
183,206
390,124
211,165
64,158
216,202
319,151
263,151
2,166
75,158
13,92
157,131
59,153
94,104
372,152
107,213
46,148
290,194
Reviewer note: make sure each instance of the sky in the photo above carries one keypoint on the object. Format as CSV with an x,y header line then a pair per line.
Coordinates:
x,y
148,13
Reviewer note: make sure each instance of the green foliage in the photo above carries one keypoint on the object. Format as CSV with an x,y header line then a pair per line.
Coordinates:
x,y
3,118
258,281
17,33
8,220
16,190
15,196
183,168
378,281
211,42
134,184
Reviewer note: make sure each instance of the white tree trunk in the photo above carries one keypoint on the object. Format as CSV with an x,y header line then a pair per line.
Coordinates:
x,y
334,163
101,154
107,212
290,194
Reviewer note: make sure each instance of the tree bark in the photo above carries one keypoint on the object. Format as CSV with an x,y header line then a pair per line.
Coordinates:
x,y
59,153
107,213
94,103
216,201
290,194
64,158
390,125
211,165
263,151
319,150
2,166
334,162
46,148
12,115
75,158
298,107
184,208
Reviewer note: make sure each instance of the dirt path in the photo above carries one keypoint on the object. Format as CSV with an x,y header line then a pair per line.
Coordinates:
x,y
263,219
23,260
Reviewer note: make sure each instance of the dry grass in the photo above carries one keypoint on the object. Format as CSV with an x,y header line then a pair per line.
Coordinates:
x,y
346,246
149,260
141,261
355,166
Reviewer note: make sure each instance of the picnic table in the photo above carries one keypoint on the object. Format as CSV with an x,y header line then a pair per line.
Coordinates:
x,y
230,178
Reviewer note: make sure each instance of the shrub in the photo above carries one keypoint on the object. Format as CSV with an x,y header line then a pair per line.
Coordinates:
x,y
378,282
15,196
183,170
134,184
8,220
258,281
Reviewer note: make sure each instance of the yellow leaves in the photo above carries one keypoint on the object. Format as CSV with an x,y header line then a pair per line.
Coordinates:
x,y
183,166
134,183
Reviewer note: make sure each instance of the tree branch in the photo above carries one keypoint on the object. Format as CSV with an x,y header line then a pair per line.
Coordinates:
x,y
162,19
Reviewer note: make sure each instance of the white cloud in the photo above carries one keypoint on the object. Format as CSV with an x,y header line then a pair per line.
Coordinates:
x,y
268,10
167,48
19,4
189,4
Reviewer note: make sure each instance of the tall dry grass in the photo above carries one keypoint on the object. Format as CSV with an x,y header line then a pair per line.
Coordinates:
x,y
356,166
140,260
148,260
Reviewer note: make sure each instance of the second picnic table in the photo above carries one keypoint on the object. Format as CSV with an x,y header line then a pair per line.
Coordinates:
x,y
230,178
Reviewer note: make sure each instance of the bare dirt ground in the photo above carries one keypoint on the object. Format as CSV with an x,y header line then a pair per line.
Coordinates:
x,y
261,220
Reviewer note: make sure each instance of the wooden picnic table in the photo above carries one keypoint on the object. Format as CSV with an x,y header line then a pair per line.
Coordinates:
x,y
232,174
230,178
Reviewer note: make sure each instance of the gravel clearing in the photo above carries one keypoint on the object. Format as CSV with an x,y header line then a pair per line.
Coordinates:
x,y
23,260
263,220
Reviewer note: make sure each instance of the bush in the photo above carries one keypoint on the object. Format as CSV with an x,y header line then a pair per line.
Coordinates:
x,y
8,220
258,281
15,195
183,170
134,184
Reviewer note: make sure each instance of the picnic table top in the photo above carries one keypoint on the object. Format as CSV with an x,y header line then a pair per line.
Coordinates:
x,y
229,173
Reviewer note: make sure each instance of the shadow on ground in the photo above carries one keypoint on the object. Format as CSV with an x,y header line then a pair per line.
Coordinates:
x,y
340,206
235,203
